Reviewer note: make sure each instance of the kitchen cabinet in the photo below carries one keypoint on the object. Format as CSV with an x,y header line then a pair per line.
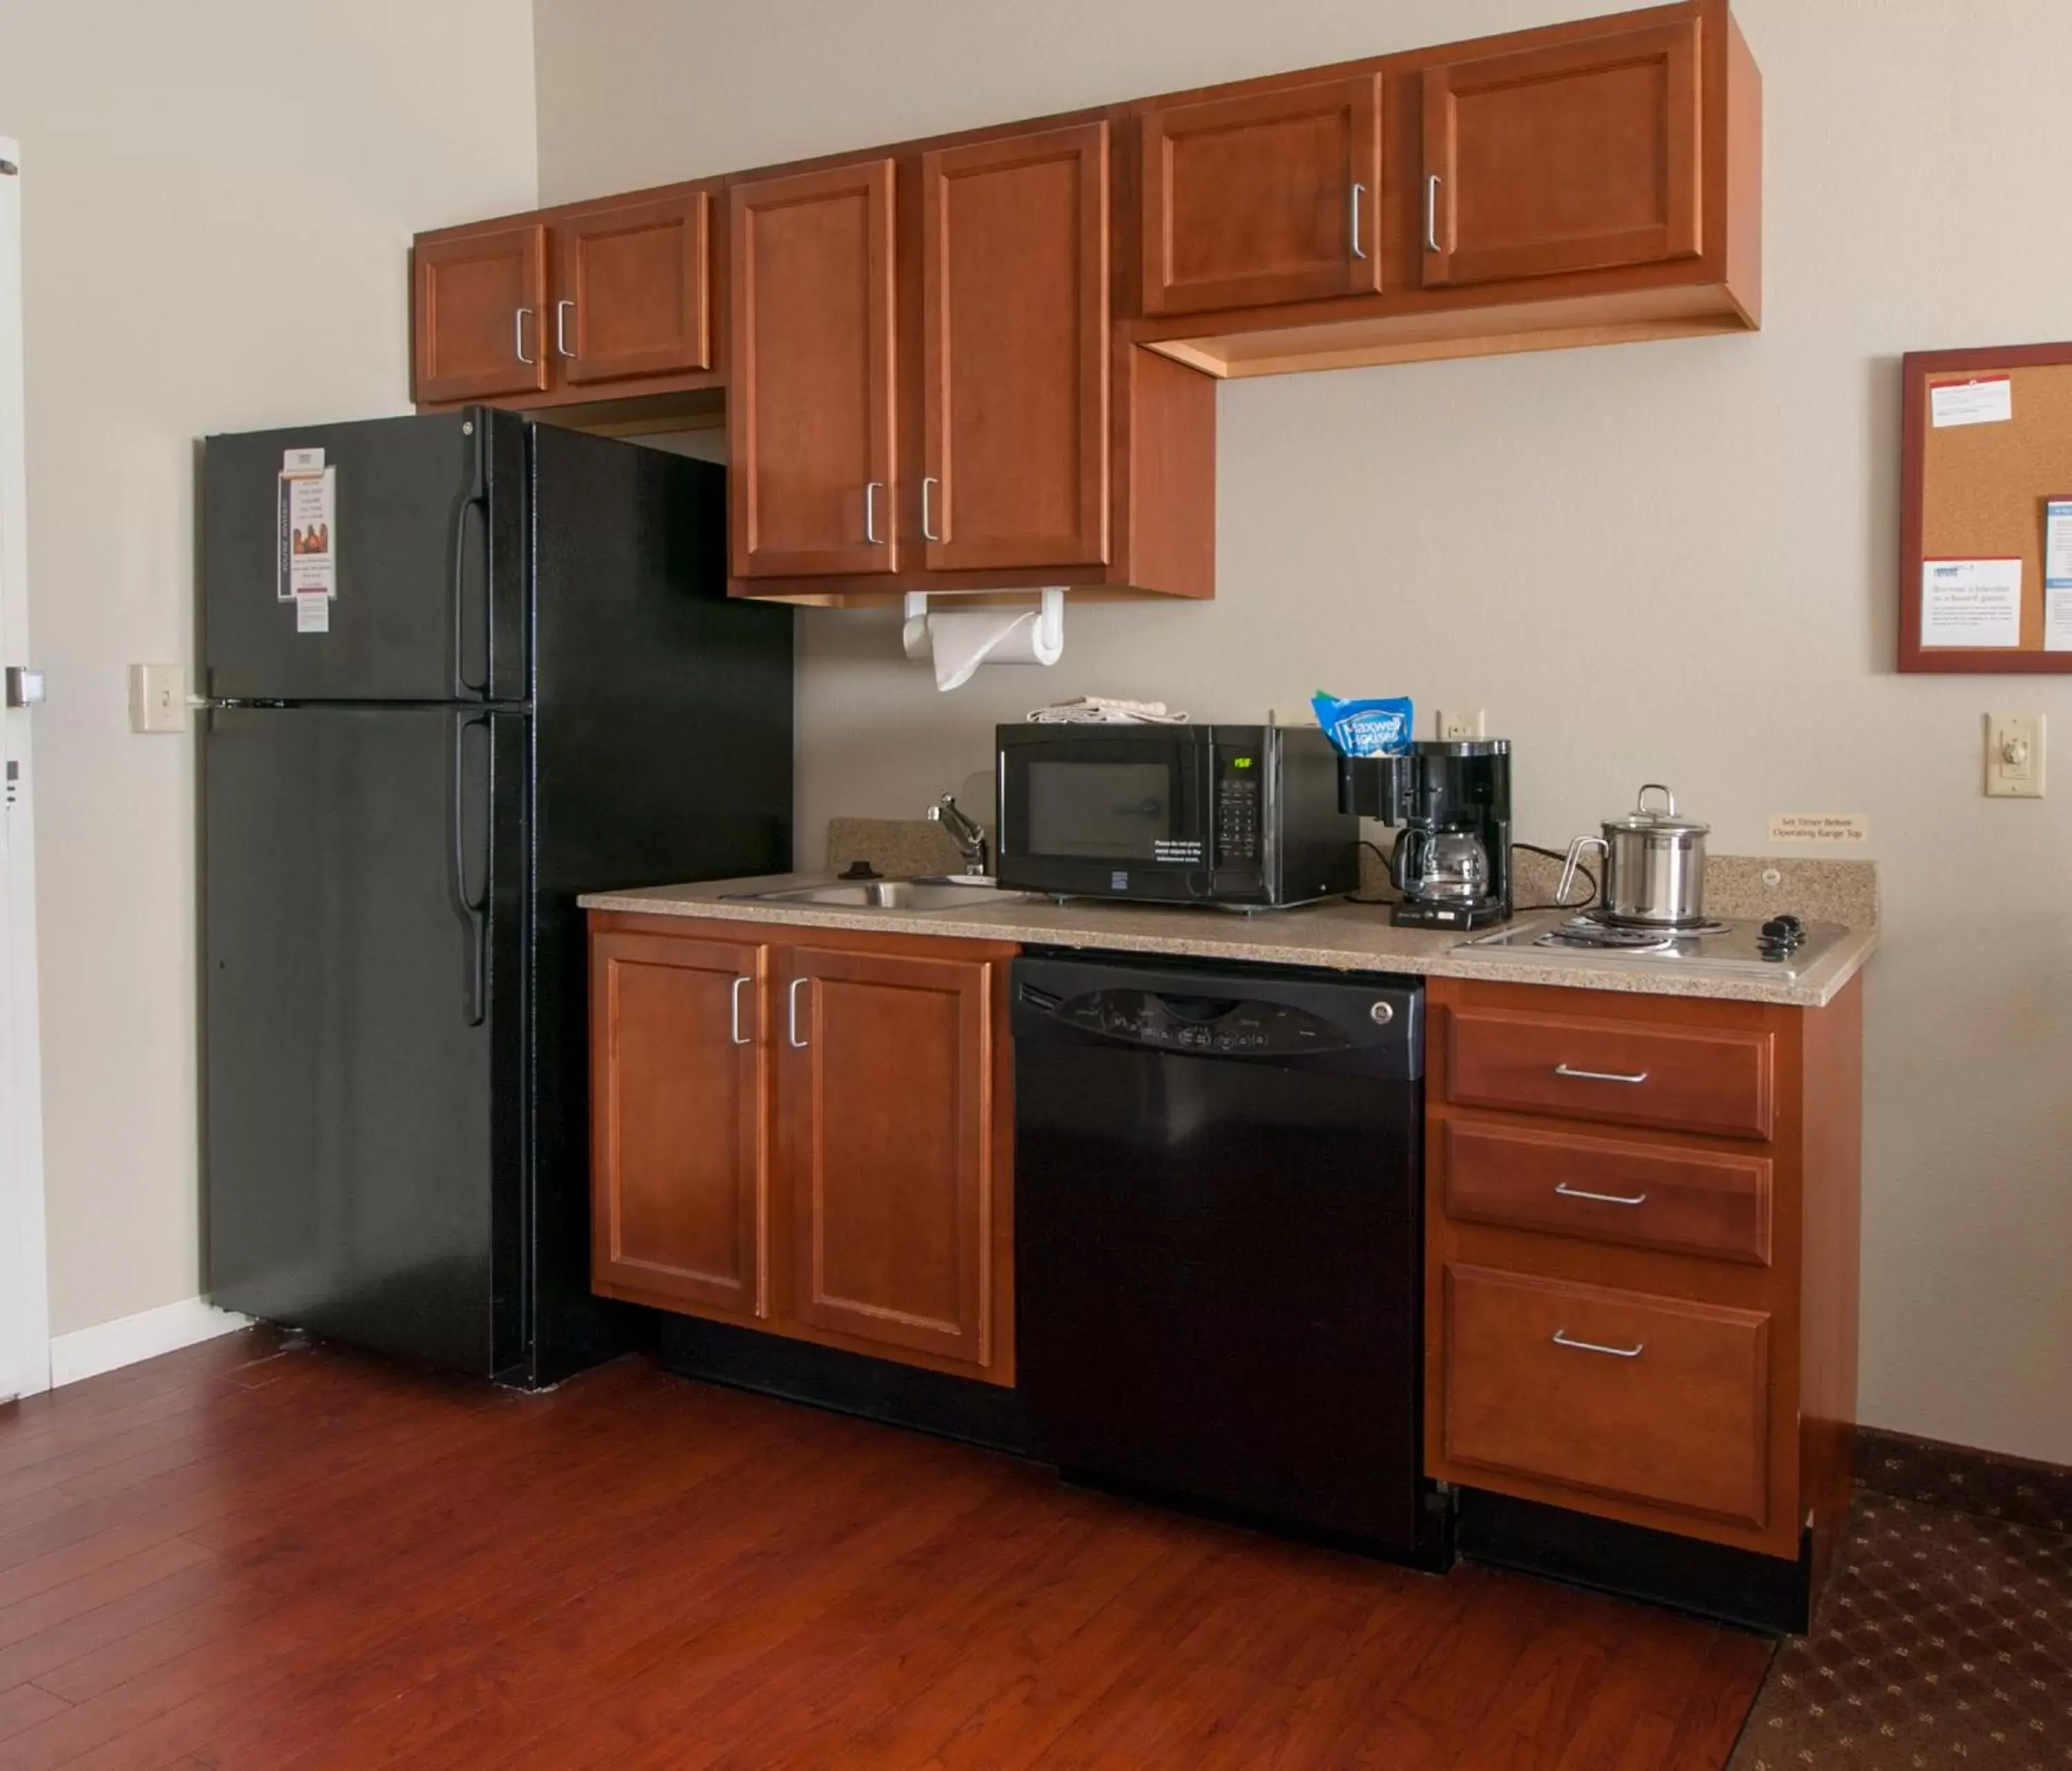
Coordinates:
x,y
810,415
808,1133
680,1130
1570,156
598,301
631,293
1641,1258
1274,196
476,303
1014,266
885,1103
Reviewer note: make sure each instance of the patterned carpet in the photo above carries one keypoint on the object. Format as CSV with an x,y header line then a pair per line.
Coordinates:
x,y
1945,1642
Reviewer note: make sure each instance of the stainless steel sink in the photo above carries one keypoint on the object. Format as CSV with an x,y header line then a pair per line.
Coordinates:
x,y
910,895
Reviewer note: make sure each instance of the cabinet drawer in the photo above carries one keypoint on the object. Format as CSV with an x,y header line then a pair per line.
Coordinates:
x,y
1654,1399
1631,1073
1638,1195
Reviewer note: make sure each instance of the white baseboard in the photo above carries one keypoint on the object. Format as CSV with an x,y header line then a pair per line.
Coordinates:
x,y
87,1352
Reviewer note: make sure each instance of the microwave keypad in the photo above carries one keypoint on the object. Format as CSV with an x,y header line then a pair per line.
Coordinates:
x,y
1237,816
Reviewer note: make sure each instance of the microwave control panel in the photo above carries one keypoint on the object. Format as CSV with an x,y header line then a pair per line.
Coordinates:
x,y
1241,786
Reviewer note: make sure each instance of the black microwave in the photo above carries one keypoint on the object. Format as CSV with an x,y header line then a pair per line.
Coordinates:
x,y
1246,815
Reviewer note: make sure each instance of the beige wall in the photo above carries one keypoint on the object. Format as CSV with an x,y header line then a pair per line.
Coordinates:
x,y
217,204
1663,561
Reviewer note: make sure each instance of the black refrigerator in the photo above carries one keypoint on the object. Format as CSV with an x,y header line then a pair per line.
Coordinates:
x,y
530,683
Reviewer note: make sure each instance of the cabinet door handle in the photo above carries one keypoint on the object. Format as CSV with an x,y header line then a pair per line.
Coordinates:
x,y
739,1038
870,490
1568,1192
1633,1352
1360,192
518,336
1599,1075
561,328
927,509
792,1012
1431,214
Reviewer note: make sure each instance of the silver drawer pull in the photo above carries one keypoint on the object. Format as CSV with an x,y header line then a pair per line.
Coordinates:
x,y
1633,1352
740,1038
792,1013
1598,1076
1568,1192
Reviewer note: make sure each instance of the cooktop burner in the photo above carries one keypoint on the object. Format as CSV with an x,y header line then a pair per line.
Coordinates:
x,y
1782,946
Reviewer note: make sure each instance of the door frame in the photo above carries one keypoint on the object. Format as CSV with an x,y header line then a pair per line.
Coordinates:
x,y
25,1339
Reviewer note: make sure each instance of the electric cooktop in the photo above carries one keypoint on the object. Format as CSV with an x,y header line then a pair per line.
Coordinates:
x,y
1781,946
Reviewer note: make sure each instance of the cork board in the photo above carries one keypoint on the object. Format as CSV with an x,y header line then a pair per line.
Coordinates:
x,y
1977,492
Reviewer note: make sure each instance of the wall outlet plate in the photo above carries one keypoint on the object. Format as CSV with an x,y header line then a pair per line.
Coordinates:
x,y
2014,756
1454,727
158,698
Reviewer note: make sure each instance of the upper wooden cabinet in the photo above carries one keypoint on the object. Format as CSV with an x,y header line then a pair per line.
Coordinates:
x,y
1015,340
679,1130
810,412
631,289
1576,156
1274,196
475,312
809,1132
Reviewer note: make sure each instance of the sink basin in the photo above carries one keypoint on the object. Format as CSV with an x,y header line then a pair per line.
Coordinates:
x,y
910,895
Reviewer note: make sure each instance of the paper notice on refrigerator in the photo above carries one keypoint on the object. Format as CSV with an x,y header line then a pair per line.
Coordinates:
x,y
1987,401
1972,603
312,612
308,532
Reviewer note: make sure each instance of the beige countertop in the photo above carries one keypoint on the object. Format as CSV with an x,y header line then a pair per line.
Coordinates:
x,y
1341,936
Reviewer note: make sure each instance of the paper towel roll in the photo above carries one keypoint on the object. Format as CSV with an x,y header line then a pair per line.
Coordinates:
x,y
960,640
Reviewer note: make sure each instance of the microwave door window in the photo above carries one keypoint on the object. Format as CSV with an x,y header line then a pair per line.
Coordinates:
x,y
1099,810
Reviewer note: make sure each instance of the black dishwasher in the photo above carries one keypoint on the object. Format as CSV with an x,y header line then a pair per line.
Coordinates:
x,y
1219,1254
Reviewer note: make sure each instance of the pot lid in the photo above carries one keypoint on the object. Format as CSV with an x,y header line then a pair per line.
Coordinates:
x,y
1658,820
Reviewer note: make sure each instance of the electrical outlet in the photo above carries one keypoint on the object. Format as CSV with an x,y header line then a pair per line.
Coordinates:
x,y
2014,756
1454,727
158,698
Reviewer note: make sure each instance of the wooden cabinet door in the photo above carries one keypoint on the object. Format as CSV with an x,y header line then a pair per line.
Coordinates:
x,y
810,415
475,309
630,289
1015,329
1265,198
679,1099
884,1086
1575,157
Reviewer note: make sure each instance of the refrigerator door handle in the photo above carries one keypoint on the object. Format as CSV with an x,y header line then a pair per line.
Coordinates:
x,y
474,908
477,498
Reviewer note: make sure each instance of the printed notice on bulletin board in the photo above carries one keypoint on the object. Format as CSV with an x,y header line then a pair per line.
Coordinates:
x,y
1974,603
308,538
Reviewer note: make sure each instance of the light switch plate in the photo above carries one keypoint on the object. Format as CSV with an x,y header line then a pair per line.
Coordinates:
x,y
2014,756
158,698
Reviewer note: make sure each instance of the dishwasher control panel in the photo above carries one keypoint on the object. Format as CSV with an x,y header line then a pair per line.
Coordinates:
x,y
1208,1024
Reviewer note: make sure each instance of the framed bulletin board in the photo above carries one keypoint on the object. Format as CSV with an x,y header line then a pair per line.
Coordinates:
x,y
1985,545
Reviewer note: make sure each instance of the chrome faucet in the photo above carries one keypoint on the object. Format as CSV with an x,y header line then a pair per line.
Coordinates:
x,y
965,831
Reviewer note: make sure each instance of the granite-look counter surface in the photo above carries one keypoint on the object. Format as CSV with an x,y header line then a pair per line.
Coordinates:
x,y
1341,936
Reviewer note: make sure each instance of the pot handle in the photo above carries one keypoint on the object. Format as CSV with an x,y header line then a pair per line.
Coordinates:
x,y
1575,859
1668,798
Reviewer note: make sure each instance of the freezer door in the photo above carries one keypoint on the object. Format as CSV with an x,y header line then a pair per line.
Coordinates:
x,y
428,526
365,1104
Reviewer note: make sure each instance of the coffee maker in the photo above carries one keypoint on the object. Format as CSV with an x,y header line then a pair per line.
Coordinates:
x,y
1451,798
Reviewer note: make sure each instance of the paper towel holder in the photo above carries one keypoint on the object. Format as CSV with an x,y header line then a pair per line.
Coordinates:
x,y
1050,614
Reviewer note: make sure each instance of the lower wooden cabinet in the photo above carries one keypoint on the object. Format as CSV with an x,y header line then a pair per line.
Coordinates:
x,y
1652,1320
680,1202
807,1131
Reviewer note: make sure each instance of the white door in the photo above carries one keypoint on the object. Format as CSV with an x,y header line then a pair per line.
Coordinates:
x,y
25,1352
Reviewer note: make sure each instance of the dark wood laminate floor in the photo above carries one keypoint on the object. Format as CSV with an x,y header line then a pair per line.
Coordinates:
x,y
254,1555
